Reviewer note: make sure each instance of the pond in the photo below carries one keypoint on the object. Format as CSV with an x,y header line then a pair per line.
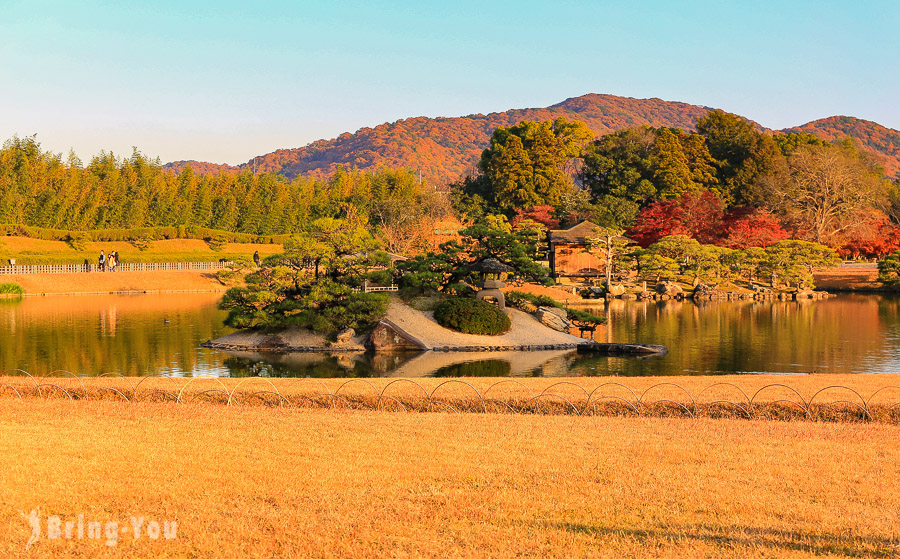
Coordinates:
x,y
161,334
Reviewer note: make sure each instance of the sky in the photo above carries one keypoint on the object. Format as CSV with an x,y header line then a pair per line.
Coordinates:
x,y
225,81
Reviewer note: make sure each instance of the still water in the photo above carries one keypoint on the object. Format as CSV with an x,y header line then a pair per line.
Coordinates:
x,y
161,334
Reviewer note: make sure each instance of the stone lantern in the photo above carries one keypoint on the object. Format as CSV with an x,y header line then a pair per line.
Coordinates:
x,y
493,271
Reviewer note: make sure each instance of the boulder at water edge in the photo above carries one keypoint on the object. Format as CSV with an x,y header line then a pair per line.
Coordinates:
x,y
668,288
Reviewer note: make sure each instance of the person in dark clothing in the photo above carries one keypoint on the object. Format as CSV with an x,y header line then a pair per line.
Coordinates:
x,y
101,262
256,258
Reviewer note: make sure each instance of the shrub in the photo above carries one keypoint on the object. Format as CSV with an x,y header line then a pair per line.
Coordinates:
x,y
11,289
234,272
889,270
471,316
141,243
78,241
217,242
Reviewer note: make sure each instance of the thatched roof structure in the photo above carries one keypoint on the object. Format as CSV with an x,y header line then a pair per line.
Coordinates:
x,y
577,234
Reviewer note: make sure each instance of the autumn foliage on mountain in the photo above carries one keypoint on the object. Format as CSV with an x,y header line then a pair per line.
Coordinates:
x,y
656,169
441,150
875,138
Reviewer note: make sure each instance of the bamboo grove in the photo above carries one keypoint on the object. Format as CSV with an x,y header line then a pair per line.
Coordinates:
x,y
42,189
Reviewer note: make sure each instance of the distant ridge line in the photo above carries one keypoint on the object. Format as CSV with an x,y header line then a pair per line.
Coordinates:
x,y
443,149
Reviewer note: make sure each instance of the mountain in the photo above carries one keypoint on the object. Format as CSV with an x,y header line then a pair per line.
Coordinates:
x,y
444,149
883,142
203,168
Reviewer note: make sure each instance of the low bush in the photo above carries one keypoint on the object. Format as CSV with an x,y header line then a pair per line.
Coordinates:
x,y
471,316
889,270
78,241
142,243
217,242
11,289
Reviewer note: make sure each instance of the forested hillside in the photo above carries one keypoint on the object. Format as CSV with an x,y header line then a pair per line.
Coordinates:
x,y
444,149
884,142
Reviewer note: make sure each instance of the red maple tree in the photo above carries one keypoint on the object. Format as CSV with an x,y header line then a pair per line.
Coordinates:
x,y
697,215
874,236
746,227
540,214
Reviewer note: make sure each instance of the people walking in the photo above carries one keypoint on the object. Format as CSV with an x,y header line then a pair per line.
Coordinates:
x,y
111,262
256,258
101,262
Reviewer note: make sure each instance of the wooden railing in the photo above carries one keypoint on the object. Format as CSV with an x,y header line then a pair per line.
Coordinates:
x,y
375,288
131,267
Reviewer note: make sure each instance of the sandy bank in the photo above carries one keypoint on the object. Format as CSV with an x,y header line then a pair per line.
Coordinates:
x,y
525,330
288,339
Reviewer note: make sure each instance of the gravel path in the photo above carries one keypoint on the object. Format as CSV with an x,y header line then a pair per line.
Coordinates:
x,y
525,331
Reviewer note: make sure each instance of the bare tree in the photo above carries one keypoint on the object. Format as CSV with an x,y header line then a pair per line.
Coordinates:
x,y
829,187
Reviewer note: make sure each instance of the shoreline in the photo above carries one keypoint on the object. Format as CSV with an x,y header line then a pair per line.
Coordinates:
x,y
121,282
128,292
851,279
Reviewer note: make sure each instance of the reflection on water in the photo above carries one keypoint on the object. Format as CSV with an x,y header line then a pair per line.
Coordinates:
x,y
846,334
312,365
128,334
161,334
404,364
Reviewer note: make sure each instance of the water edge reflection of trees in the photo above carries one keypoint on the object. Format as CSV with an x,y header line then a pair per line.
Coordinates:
x,y
841,335
129,334
151,334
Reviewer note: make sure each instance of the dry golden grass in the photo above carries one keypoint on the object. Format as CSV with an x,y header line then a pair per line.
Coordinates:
x,y
685,389
848,278
164,246
165,250
111,282
261,482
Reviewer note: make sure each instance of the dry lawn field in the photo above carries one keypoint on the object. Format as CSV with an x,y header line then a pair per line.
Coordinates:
x,y
37,251
24,247
264,482
862,278
118,282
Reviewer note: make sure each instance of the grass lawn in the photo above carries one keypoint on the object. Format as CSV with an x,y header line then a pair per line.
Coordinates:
x,y
36,251
254,481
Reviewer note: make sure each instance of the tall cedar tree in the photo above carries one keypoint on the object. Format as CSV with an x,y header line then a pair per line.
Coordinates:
x,y
528,164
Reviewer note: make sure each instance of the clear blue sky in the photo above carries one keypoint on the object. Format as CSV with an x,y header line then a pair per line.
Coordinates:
x,y
225,81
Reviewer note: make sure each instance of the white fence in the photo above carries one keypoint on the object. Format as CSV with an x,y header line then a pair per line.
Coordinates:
x,y
133,267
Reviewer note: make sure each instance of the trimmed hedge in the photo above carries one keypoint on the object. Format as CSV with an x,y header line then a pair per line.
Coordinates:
x,y
139,233
471,316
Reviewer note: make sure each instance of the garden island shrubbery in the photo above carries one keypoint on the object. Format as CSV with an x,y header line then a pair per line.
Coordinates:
x,y
316,283
471,316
